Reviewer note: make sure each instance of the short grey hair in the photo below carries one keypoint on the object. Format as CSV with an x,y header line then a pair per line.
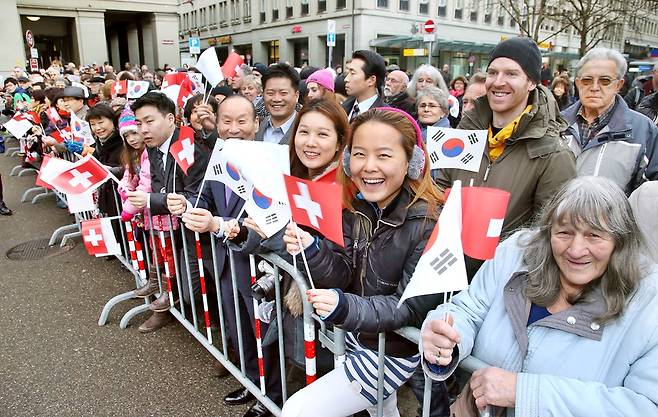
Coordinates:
x,y
430,71
251,79
601,204
604,54
435,94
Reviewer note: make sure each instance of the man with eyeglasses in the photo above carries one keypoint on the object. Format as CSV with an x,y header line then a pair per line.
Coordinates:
x,y
395,92
607,137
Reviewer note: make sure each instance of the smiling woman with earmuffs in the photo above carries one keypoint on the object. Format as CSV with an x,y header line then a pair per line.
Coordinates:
x,y
386,226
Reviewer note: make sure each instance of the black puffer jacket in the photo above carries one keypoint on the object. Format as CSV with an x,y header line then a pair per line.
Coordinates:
x,y
108,152
380,255
649,106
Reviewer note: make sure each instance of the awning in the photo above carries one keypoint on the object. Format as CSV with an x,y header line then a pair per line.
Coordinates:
x,y
408,41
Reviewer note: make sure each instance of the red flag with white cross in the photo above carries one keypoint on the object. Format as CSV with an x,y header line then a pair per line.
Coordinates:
x,y
120,88
185,93
53,115
317,204
183,149
98,237
83,176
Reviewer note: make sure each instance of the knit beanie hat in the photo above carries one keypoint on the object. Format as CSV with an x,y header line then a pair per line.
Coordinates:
x,y
523,51
127,121
323,77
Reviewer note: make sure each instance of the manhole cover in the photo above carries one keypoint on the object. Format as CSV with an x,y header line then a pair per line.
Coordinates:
x,y
35,249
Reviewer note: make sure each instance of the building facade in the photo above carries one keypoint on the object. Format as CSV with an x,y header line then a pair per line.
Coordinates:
x,y
88,31
295,31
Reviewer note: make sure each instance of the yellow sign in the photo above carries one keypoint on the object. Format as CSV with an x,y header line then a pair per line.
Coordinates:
x,y
414,52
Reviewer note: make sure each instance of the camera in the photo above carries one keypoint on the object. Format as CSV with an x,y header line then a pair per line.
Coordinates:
x,y
263,288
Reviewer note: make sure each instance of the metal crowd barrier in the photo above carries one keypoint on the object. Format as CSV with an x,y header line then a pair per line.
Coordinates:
x,y
332,339
136,254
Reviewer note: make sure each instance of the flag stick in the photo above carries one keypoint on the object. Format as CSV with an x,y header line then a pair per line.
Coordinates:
x,y
203,182
237,218
299,242
206,98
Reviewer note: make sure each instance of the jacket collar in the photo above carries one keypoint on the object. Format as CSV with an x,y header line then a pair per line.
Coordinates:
x,y
618,121
396,213
539,127
578,319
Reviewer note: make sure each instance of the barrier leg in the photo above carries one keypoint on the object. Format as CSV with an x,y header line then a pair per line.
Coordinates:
x,y
202,282
41,196
26,171
125,320
102,320
26,193
68,236
15,170
61,230
259,342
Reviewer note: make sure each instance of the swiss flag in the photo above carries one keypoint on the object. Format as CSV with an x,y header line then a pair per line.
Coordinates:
x,y
185,92
483,211
329,176
99,238
483,214
231,65
61,135
120,88
84,175
53,115
39,182
183,149
173,78
30,116
317,205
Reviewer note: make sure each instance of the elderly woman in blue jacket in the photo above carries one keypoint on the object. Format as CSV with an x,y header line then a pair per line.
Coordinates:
x,y
565,315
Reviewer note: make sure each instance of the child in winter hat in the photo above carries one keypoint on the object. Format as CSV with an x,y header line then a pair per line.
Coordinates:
x,y
127,122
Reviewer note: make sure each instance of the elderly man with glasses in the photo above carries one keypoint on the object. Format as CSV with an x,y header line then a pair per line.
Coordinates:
x,y
608,138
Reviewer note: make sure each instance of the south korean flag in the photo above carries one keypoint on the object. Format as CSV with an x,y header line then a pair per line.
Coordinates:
x,y
455,148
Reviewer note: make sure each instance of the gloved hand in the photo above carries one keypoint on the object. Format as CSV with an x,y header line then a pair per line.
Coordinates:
x,y
125,216
73,147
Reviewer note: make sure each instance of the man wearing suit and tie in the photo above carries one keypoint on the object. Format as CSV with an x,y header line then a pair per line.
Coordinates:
x,y
364,80
280,94
154,114
217,206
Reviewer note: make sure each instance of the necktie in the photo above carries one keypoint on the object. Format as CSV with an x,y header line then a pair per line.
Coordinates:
x,y
355,111
158,161
227,194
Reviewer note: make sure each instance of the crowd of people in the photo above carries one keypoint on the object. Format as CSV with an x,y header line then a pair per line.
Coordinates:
x,y
564,315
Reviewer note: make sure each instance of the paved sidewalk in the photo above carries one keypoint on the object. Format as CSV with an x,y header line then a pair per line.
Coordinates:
x,y
54,358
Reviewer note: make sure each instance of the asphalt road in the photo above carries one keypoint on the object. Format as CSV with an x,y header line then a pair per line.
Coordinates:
x,y
54,358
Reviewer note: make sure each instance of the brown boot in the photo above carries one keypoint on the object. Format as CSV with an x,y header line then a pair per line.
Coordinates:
x,y
155,322
218,369
151,287
161,304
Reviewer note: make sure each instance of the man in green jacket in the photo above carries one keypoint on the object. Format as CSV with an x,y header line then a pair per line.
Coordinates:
x,y
524,154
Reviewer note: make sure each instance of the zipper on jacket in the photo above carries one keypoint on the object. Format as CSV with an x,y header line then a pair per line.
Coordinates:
x,y
599,159
486,173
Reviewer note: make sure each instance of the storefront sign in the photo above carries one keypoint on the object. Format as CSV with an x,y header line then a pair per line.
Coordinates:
x,y
414,52
297,29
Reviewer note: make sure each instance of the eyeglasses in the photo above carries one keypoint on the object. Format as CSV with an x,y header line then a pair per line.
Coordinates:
x,y
393,81
428,106
603,81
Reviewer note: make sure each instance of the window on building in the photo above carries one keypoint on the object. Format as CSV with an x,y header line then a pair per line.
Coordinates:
x,y
289,9
442,10
424,7
341,4
501,20
247,9
322,6
273,51
382,4
459,9
275,10
304,7
404,5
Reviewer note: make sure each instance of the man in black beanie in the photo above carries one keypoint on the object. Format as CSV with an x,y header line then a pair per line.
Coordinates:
x,y
524,154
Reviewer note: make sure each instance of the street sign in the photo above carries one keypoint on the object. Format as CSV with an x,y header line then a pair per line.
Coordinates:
x,y
167,41
29,38
414,52
195,45
34,53
429,26
331,33
429,37
34,64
